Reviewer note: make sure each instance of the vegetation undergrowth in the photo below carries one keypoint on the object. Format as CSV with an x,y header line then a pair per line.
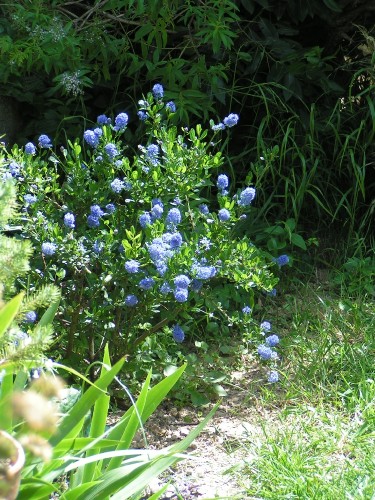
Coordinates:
x,y
318,438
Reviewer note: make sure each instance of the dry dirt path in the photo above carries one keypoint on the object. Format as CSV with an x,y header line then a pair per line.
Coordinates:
x,y
227,441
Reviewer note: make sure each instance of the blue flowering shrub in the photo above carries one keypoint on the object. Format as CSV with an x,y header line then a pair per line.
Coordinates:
x,y
140,240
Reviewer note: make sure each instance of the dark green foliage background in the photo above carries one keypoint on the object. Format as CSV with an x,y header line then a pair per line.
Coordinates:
x,y
299,74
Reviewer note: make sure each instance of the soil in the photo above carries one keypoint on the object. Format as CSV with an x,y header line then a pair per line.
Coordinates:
x,y
214,471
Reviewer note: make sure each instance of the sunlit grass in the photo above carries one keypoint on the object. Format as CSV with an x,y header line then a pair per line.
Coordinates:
x,y
320,442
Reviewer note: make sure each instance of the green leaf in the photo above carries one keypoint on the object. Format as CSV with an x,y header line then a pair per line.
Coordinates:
x,y
9,312
197,398
331,4
133,424
85,403
98,422
298,241
48,316
219,390
124,482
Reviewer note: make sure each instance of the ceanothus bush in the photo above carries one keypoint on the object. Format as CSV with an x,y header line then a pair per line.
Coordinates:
x,y
131,237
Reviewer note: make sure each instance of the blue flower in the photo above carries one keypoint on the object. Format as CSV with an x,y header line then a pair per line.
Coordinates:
x,y
173,217
121,121
98,132
272,293
111,208
157,201
146,283
222,181
30,149
171,107
165,288
142,115
131,300
219,126
246,197
96,211
14,168
156,212
174,240
44,141
30,317
273,377
158,91
246,310
153,153
117,185
98,246
93,221
223,214
181,294
161,268
282,260
181,281
204,209
178,333
91,138
204,272
103,120
69,220
30,198
111,150
265,352
272,340
132,266
145,219
265,326
48,248
231,120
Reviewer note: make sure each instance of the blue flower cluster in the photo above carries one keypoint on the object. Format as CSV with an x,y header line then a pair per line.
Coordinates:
x,y
153,154
145,219
158,91
103,120
222,182
131,300
121,122
30,199
282,260
117,185
202,271
111,150
266,351
44,141
246,197
178,333
69,220
30,317
30,149
48,248
223,215
173,217
132,266
92,137
171,107
111,208
93,220
146,283
229,121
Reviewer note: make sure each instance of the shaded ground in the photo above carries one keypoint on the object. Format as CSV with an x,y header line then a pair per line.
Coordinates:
x,y
217,452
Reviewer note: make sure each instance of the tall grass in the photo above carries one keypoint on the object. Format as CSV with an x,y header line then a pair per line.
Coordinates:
x,y
310,162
